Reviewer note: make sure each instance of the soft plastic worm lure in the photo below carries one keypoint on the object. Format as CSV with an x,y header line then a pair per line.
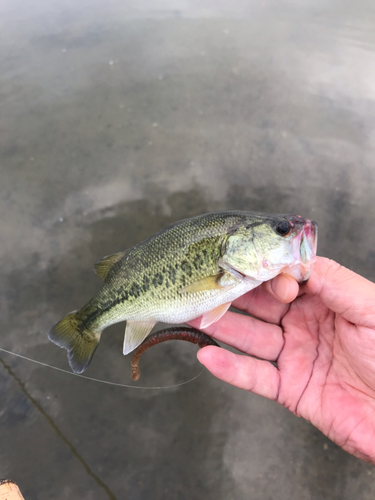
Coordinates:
x,y
174,333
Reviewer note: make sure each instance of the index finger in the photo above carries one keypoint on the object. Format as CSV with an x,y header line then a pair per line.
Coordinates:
x,y
343,291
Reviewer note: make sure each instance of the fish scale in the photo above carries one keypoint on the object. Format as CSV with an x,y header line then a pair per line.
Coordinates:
x,y
195,267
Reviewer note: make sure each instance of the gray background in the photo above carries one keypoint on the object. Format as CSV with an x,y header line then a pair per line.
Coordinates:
x,y
117,118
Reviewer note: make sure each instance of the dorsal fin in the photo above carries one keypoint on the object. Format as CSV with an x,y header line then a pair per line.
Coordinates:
x,y
103,266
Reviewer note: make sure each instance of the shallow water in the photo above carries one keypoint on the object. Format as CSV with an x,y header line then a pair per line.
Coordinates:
x,y
117,120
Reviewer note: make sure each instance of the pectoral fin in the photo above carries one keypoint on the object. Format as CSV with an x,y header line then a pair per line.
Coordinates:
x,y
207,283
103,266
223,280
135,333
214,315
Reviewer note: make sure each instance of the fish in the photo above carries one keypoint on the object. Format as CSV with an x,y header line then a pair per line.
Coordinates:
x,y
175,333
192,268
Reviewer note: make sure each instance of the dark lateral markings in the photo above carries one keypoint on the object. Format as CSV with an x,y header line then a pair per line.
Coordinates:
x,y
186,268
158,279
168,278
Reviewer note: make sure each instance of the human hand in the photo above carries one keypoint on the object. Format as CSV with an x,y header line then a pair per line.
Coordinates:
x,y
323,344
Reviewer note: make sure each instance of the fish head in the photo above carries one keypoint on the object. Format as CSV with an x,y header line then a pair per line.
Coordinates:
x,y
266,246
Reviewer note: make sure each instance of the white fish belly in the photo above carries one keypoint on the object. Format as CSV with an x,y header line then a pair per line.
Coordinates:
x,y
191,305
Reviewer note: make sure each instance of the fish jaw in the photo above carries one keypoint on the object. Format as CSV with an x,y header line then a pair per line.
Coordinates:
x,y
304,247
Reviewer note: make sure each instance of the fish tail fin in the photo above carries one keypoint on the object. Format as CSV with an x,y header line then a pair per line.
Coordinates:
x,y
80,342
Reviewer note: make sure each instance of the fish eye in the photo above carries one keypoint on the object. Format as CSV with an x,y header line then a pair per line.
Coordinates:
x,y
283,228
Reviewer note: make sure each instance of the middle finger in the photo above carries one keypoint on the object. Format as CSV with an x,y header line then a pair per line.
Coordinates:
x,y
247,334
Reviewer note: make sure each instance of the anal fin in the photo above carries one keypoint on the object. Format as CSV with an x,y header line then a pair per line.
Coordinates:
x,y
214,315
135,333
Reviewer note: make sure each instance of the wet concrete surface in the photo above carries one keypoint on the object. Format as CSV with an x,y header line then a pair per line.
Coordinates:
x,y
117,120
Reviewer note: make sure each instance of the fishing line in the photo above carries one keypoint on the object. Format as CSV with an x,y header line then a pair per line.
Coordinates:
x,y
97,379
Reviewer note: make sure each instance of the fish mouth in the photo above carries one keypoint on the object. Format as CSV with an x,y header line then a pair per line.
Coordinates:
x,y
304,247
308,242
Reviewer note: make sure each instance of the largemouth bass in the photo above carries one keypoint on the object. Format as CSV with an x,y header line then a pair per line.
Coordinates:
x,y
194,267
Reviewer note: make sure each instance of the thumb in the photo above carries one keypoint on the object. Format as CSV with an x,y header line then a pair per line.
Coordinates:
x,y
284,288
343,291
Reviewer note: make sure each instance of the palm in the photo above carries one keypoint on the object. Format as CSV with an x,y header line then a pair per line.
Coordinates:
x,y
320,378
324,347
